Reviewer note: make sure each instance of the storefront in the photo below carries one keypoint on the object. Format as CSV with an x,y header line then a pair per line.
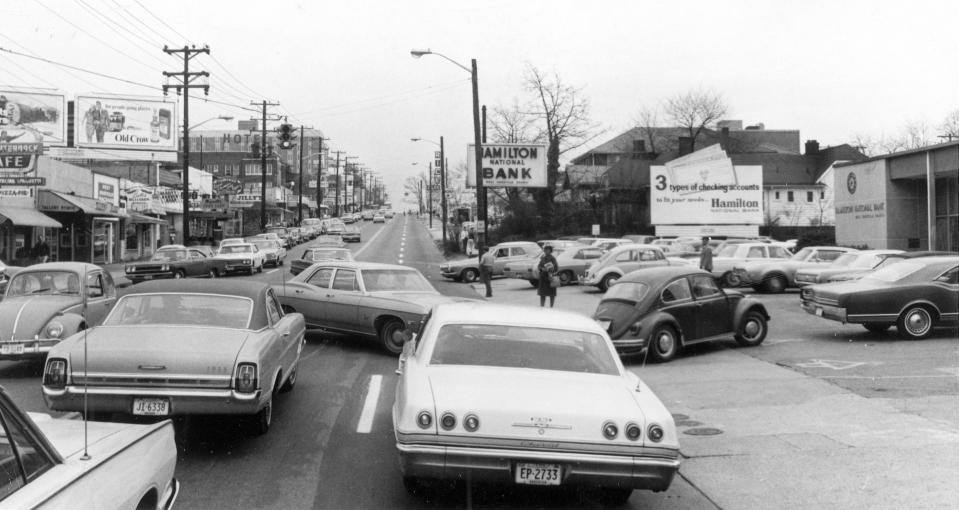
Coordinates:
x,y
26,234
91,228
142,230
905,200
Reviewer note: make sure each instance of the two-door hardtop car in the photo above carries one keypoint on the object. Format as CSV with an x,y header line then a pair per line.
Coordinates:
x,y
571,259
467,270
46,464
351,234
621,260
176,261
527,396
273,252
916,295
846,276
776,275
663,309
181,348
853,265
241,258
732,255
363,298
313,255
45,303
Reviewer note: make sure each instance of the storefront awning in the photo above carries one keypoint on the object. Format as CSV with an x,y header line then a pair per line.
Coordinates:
x,y
142,218
56,201
27,217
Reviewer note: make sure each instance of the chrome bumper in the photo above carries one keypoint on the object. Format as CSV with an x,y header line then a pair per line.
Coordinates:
x,y
498,465
182,400
825,311
31,348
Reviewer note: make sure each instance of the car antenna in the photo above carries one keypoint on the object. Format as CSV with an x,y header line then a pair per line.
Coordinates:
x,y
86,378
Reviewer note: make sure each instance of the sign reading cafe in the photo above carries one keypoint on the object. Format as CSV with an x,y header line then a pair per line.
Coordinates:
x,y
509,165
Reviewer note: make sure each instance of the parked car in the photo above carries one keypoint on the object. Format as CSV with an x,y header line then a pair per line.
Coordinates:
x,y
916,295
848,265
348,219
336,227
640,239
181,348
329,240
273,236
732,255
527,396
467,270
615,263
572,262
676,244
44,303
284,235
557,244
6,272
175,261
389,214
379,218
319,254
273,252
352,235
776,275
664,309
312,225
606,244
362,298
241,258
45,465
889,259
232,240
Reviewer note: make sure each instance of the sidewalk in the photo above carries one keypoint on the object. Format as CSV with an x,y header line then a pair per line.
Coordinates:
x,y
755,435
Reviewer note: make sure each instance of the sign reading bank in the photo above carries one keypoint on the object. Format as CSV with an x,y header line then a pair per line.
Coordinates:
x,y
508,165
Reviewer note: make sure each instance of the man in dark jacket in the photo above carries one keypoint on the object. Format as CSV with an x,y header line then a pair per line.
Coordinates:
x,y
706,256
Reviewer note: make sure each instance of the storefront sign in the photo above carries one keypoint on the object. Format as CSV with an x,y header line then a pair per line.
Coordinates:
x,y
18,157
105,191
6,180
37,113
125,123
509,165
15,193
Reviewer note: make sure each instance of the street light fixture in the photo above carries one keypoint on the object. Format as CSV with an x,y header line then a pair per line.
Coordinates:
x,y
442,181
477,144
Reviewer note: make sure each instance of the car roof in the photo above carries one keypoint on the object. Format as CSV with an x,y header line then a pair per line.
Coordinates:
x,y
916,254
76,267
474,312
355,264
654,275
632,246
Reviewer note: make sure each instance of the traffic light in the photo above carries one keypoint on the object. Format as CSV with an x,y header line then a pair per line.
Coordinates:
x,y
286,136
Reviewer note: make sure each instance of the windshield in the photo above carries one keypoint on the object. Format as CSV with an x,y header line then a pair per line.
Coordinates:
x,y
402,280
844,260
265,245
729,251
237,248
168,255
866,261
633,292
801,254
44,282
317,255
493,345
210,310
895,272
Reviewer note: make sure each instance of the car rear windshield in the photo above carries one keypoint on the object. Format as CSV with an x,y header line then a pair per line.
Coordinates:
x,y
395,280
633,292
236,248
44,282
318,255
211,310
493,345
895,272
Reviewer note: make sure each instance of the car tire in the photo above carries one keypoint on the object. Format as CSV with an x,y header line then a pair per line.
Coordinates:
x,y
608,281
876,327
469,275
566,278
664,343
259,269
179,274
775,285
615,496
290,381
731,279
916,322
752,329
534,283
386,336
261,421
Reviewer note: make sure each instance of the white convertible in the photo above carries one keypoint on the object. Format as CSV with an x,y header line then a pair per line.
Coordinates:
x,y
527,396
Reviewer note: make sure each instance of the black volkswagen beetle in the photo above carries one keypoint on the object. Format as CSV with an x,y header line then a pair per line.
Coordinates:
x,y
666,308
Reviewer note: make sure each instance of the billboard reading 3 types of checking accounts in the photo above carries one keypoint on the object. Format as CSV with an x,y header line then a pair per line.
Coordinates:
x,y
704,188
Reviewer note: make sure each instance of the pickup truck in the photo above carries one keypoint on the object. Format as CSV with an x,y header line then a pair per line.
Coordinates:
x,y
176,261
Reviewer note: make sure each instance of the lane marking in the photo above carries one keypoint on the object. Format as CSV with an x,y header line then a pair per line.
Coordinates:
x,y
369,242
273,270
369,407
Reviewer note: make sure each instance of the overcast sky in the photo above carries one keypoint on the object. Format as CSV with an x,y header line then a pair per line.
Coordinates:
x,y
827,68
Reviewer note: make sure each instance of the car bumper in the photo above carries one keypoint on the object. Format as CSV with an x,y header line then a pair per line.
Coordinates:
x,y
498,465
825,311
588,279
182,400
230,268
26,349
140,277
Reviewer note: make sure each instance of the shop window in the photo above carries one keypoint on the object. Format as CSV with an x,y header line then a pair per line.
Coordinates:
x,y
809,196
789,196
777,195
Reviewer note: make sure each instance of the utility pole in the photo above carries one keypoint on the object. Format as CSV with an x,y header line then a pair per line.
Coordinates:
x,y
319,182
443,189
299,167
346,171
186,79
429,192
336,194
263,104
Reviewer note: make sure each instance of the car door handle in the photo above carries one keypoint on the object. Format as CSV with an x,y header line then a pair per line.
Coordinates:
x,y
286,334
331,295
298,291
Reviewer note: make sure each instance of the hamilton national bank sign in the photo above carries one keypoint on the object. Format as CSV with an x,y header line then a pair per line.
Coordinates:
x,y
508,165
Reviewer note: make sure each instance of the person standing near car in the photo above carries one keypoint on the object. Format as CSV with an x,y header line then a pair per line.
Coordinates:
x,y
706,256
486,269
547,268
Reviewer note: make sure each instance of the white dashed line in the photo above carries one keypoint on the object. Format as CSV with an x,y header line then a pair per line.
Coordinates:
x,y
272,271
369,407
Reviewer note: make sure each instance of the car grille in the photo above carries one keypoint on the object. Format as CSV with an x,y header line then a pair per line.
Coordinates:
x,y
157,381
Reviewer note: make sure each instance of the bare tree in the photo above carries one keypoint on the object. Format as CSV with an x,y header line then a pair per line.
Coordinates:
x,y
950,125
647,120
511,125
695,110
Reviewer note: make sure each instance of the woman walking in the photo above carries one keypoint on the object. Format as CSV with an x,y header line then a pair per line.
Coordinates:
x,y
547,268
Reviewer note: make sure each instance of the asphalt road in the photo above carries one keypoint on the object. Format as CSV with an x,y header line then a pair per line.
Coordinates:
x,y
323,452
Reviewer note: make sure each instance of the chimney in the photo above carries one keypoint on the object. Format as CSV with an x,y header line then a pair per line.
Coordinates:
x,y
724,139
812,147
685,145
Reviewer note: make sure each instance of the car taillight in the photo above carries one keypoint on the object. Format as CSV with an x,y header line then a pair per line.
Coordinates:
x,y
424,419
246,381
55,373
448,421
471,423
655,433
633,431
610,430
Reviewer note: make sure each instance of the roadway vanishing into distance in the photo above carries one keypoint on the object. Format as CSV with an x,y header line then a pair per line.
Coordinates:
x,y
331,444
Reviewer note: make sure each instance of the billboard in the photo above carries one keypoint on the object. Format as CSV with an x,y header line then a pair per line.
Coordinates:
x,y
509,165
125,123
706,189
33,117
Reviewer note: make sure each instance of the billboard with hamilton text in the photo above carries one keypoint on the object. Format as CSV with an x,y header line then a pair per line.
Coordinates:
x,y
704,188
125,123
509,165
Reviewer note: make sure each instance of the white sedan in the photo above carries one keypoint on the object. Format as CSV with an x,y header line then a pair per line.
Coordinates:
x,y
244,257
532,397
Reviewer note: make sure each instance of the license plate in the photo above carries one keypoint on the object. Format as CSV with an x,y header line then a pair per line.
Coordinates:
x,y
151,407
604,323
818,312
11,349
538,474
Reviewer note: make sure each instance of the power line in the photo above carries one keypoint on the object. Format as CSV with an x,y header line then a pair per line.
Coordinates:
x,y
71,73
162,38
164,23
112,23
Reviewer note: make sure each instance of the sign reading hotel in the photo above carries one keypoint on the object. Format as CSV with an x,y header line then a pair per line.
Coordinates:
x,y
508,165
704,188
27,116
125,123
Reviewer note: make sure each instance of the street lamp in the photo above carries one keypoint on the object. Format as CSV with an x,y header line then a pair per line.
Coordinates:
x,y
186,171
477,143
442,181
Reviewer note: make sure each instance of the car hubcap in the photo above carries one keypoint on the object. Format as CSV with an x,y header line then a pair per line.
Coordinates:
x,y
918,322
665,342
752,329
